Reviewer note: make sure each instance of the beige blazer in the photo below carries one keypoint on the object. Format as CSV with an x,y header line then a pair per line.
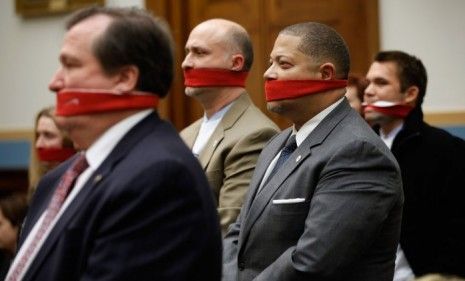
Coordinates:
x,y
230,155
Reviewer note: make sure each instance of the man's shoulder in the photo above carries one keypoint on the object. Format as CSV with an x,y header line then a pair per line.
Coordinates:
x,y
191,128
433,132
255,117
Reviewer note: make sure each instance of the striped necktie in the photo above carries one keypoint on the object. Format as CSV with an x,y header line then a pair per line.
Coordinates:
x,y
64,187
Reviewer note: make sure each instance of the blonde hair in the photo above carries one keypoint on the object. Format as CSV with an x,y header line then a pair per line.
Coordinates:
x,y
36,168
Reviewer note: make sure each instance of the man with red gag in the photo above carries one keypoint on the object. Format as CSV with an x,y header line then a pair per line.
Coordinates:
x,y
233,131
431,161
325,200
134,203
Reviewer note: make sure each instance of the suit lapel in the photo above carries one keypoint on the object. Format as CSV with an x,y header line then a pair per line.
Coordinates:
x,y
42,198
264,196
130,140
266,157
258,202
190,134
228,120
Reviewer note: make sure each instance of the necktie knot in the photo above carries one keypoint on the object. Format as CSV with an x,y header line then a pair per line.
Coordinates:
x,y
286,151
290,145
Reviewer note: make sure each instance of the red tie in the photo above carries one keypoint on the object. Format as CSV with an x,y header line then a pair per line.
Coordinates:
x,y
61,192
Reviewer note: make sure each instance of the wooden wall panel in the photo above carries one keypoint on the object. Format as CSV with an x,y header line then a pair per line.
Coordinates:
x,y
356,20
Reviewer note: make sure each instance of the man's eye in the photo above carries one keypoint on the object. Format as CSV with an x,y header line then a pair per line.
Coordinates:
x,y
284,64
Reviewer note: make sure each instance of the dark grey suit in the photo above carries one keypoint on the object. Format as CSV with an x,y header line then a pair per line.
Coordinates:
x,y
348,226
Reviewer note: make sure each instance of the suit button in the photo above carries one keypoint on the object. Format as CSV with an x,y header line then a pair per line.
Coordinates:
x,y
241,265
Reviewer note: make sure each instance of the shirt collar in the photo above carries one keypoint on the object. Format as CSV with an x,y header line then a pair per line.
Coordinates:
x,y
217,116
388,139
311,124
101,148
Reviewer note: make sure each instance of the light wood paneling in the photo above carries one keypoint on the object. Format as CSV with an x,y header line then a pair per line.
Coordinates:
x,y
446,118
16,135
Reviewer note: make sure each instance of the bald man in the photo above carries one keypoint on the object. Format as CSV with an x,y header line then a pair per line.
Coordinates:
x,y
229,137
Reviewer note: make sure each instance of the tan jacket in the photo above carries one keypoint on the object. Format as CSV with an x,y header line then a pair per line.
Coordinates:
x,y
230,155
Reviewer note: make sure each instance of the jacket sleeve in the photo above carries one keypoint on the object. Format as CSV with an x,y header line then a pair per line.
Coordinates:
x,y
239,166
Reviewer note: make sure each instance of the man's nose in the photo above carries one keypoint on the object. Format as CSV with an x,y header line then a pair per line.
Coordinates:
x,y
40,142
369,90
187,62
57,83
270,74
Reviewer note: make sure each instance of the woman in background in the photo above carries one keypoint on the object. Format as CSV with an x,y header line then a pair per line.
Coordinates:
x,y
51,147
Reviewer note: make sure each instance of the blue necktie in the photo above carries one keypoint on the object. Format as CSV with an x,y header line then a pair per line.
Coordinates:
x,y
287,150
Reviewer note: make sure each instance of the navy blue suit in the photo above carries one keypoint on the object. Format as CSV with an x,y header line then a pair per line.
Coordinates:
x,y
145,214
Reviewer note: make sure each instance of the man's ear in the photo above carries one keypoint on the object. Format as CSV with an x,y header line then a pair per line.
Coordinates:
x,y
327,71
411,95
237,62
127,78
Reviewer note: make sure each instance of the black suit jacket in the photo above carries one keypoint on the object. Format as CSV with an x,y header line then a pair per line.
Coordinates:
x,y
433,174
145,214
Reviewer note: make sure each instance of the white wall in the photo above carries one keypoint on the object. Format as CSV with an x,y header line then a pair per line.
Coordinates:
x,y
431,29
434,31
28,58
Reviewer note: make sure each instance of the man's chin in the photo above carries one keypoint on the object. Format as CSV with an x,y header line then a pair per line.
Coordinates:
x,y
376,118
191,92
277,107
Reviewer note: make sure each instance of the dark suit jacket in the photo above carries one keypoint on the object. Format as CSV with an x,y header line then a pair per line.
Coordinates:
x,y
347,227
433,173
145,214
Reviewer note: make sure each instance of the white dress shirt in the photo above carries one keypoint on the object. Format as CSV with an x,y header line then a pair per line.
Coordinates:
x,y
207,128
402,270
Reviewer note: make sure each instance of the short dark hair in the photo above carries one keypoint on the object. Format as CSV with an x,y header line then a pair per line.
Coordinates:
x,y
134,37
322,42
242,40
410,71
14,208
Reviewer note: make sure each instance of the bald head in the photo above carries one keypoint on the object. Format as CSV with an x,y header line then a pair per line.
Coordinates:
x,y
232,34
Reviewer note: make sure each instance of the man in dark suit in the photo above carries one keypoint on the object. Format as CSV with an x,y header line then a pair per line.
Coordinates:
x,y
431,161
332,211
142,209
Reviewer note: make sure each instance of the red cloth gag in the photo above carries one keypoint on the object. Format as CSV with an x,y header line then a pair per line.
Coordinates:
x,y
388,108
55,154
70,102
212,77
291,89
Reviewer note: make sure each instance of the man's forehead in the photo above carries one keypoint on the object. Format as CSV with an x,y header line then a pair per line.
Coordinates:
x,y
386,67
205,38
92,26
286,45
